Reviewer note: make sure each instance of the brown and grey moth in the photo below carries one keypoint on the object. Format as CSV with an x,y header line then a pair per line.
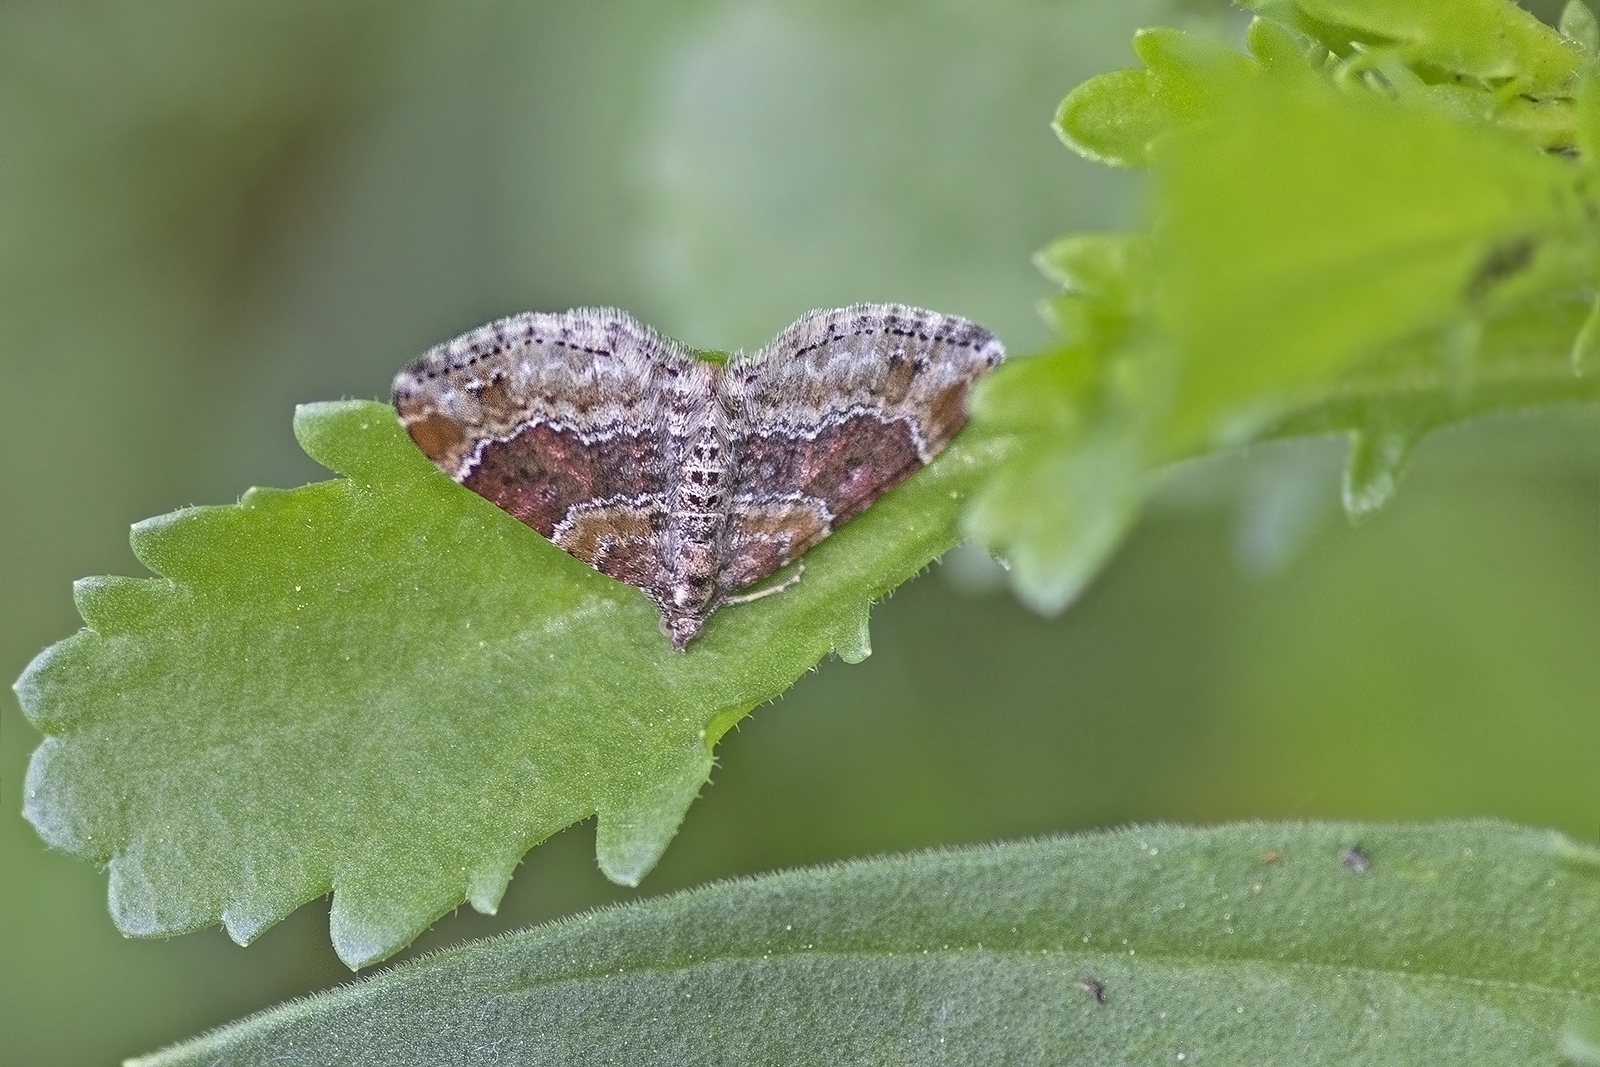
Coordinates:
x,y
686,478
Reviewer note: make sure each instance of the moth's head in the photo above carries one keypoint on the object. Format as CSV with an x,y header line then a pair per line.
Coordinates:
x,y
681,629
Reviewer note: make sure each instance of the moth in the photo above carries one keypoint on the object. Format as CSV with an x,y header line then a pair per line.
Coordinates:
x,y
684,477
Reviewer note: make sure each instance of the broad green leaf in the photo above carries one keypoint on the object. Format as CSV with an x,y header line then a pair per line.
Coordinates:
x,y
1462,943
384,687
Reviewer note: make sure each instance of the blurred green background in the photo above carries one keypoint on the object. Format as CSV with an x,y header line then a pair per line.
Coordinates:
x,y
211,210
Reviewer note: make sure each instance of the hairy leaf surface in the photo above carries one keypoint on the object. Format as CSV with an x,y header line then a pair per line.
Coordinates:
x,y
1467,943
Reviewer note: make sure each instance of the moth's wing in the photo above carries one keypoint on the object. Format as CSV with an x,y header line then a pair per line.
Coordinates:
x,y
835,412
563,421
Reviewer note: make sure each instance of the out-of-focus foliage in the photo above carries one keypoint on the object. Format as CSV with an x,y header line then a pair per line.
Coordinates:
x,y
1357,227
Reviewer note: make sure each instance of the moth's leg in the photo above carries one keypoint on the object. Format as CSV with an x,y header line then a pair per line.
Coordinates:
x,y
745,598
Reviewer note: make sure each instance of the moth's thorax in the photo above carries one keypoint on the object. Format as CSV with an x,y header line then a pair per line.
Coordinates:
x,y
705,464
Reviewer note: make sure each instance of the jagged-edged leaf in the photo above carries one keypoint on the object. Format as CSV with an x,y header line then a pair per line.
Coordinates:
x,y
384,687
1482,59
1327,944
1057,503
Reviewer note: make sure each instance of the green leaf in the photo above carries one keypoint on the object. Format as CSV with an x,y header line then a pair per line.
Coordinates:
x,y
1490,41
1115,118
1579,26
1058,511
1466,943
1580,1042
1327,255
1061,501
1390,402
1305,228
1106,282
384,687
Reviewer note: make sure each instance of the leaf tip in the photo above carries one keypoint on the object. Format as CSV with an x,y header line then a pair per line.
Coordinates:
x,y
1580,1040
361,937
1576,855
244,924
52,818
1372,473
30,693
1091,491
1579,26
340,434
631,836
852,640
624,854
133,901
1050,591
487,885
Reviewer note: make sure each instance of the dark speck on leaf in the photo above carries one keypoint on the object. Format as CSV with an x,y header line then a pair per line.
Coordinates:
x,y
1500,263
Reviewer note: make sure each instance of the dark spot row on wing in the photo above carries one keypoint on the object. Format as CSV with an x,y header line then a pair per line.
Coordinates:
x,y
936,338
478,357
503,345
